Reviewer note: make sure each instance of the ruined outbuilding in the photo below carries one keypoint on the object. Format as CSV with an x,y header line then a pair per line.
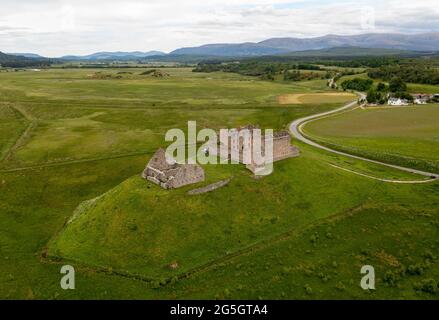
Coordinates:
x,y
167,173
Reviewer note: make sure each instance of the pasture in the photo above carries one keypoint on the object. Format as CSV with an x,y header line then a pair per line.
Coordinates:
x,y
407,136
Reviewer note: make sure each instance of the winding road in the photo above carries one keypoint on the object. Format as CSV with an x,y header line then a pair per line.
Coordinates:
x,y
296,130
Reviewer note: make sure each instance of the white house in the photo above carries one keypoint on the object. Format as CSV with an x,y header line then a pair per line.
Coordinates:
x,y
397,102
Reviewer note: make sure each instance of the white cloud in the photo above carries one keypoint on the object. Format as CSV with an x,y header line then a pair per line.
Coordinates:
x,y
57,27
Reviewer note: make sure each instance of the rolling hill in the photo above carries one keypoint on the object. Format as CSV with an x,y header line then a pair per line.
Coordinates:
x,y
27,55
418,42
327,46
242,49
350,52
7,60
330,53
115,56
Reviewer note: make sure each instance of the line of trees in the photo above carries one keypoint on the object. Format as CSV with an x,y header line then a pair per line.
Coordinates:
x,y
365,62
297,75
252,68
266,70
357,84
381,92
396,88
414,73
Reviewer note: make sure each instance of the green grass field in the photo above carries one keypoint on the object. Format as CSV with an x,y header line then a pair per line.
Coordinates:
x,y
302,233
406,136
76,117
12,125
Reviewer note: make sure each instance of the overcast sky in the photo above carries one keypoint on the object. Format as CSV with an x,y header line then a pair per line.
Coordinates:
x,y
58,27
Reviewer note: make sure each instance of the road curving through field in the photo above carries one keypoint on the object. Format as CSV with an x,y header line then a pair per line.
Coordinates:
x,y
296,130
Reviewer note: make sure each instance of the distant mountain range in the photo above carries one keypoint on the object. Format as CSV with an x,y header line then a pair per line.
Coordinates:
x,y
7,60
27,55
115,56
277,46
330,45
231,50
352,52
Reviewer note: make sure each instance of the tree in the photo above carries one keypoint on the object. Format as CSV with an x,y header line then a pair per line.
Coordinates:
x,y
381,87
415,72
403,95
373,96
397,85
292,76
357,84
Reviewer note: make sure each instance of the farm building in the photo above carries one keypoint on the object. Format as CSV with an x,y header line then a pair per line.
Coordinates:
x,y
168,174
420,101
420,98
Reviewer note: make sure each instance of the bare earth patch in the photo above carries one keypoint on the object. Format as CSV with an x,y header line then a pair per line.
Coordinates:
x,y
329,97
387,259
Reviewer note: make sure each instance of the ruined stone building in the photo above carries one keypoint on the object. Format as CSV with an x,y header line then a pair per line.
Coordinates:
x,y
170,175
282,148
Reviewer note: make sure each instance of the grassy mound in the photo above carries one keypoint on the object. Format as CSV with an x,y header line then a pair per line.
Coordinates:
x,y
140,229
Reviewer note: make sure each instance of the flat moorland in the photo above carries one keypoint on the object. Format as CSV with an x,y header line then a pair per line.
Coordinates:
x,y
73,115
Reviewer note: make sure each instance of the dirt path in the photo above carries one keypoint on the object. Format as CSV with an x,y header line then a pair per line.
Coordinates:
x,y
380,179
70,162
32,124
296,130
23,112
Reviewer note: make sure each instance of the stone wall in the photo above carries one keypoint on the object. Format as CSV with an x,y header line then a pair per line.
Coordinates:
x,y
210,187
188,174
282,148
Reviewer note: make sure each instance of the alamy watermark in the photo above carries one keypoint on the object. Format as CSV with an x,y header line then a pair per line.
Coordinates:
x,y
367,18
368,280
68,281
248,145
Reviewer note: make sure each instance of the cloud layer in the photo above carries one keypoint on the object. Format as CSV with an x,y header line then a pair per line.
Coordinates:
x,y
58,27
